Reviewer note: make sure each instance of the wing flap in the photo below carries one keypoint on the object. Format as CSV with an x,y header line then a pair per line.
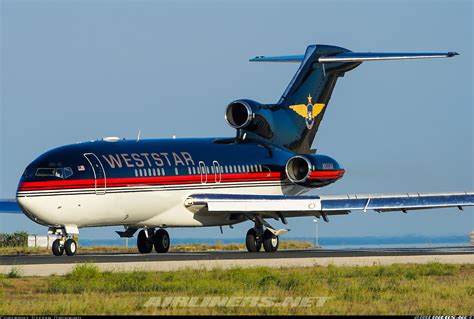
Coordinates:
x,y
253,203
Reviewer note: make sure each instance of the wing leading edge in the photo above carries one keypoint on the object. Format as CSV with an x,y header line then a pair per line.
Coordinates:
x,y
328,205
9,206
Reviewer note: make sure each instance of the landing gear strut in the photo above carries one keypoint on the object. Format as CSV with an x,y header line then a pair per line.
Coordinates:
x,y
147,239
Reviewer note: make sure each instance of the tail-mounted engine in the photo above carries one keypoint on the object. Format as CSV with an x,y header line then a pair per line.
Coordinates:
x,y
250,116
313,170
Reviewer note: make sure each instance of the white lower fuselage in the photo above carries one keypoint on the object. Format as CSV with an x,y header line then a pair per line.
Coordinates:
x,y
159,206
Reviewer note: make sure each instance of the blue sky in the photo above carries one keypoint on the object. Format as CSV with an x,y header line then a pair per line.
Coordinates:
x,y
81,70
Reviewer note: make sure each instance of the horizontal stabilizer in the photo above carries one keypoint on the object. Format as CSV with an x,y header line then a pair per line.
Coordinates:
x,y
9,206
374,56
288,58
357,57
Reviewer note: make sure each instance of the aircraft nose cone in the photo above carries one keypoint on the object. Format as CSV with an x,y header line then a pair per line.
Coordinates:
x,y
26,207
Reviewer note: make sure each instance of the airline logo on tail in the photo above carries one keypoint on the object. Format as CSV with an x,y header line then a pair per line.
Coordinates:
x,y
308,111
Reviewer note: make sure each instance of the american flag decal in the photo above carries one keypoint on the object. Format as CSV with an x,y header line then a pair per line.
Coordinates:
x,y
81,168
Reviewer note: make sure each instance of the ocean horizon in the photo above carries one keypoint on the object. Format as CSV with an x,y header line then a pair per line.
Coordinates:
x,y
325,242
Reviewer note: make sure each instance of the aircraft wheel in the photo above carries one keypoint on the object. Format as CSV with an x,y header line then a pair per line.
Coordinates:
x,y
270,241
143,243
161,241
57,248
252,241
70,247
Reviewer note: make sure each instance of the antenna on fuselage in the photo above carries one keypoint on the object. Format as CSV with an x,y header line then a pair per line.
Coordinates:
x,y
138,137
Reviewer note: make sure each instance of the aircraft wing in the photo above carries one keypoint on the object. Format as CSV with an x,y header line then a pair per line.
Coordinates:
x,y
292,206
9,206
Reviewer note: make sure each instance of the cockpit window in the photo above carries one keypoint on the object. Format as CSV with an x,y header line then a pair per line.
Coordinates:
x,y
45,172
67,172
62,173
59,173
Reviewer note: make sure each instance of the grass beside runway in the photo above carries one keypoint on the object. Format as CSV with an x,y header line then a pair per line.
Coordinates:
x,y
284,244
396,289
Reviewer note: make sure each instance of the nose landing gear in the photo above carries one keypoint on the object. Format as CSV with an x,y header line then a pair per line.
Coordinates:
x,y
70,247
58,249
65,243
61,245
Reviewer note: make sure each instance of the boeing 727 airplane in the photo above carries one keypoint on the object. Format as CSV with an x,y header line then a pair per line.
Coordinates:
x,y
258,175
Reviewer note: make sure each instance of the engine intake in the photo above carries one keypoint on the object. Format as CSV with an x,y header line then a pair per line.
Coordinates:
x,y
313,170
298,169
239,114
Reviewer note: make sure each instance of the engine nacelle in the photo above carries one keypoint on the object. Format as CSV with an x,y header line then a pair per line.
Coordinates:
x,y
313,170
239,114
250,116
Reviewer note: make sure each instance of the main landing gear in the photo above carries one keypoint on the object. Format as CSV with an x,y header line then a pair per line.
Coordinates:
x,y
148,238
257,236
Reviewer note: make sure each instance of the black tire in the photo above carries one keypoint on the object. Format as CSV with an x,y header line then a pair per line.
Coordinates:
x,y
58,250
270,241
252,241
161,241
70,247
144,245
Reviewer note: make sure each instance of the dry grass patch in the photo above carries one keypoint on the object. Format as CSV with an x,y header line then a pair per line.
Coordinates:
x,y
395,289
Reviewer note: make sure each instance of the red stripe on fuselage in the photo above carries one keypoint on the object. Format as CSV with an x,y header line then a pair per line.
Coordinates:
x,y
168,180
148,181
326,174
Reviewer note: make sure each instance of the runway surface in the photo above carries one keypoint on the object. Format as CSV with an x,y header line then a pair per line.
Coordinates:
x,y
233,255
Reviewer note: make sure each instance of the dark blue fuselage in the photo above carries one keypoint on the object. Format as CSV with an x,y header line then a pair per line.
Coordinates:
x,y
127,162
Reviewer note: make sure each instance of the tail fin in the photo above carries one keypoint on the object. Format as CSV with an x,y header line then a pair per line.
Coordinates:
x,y
306,98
